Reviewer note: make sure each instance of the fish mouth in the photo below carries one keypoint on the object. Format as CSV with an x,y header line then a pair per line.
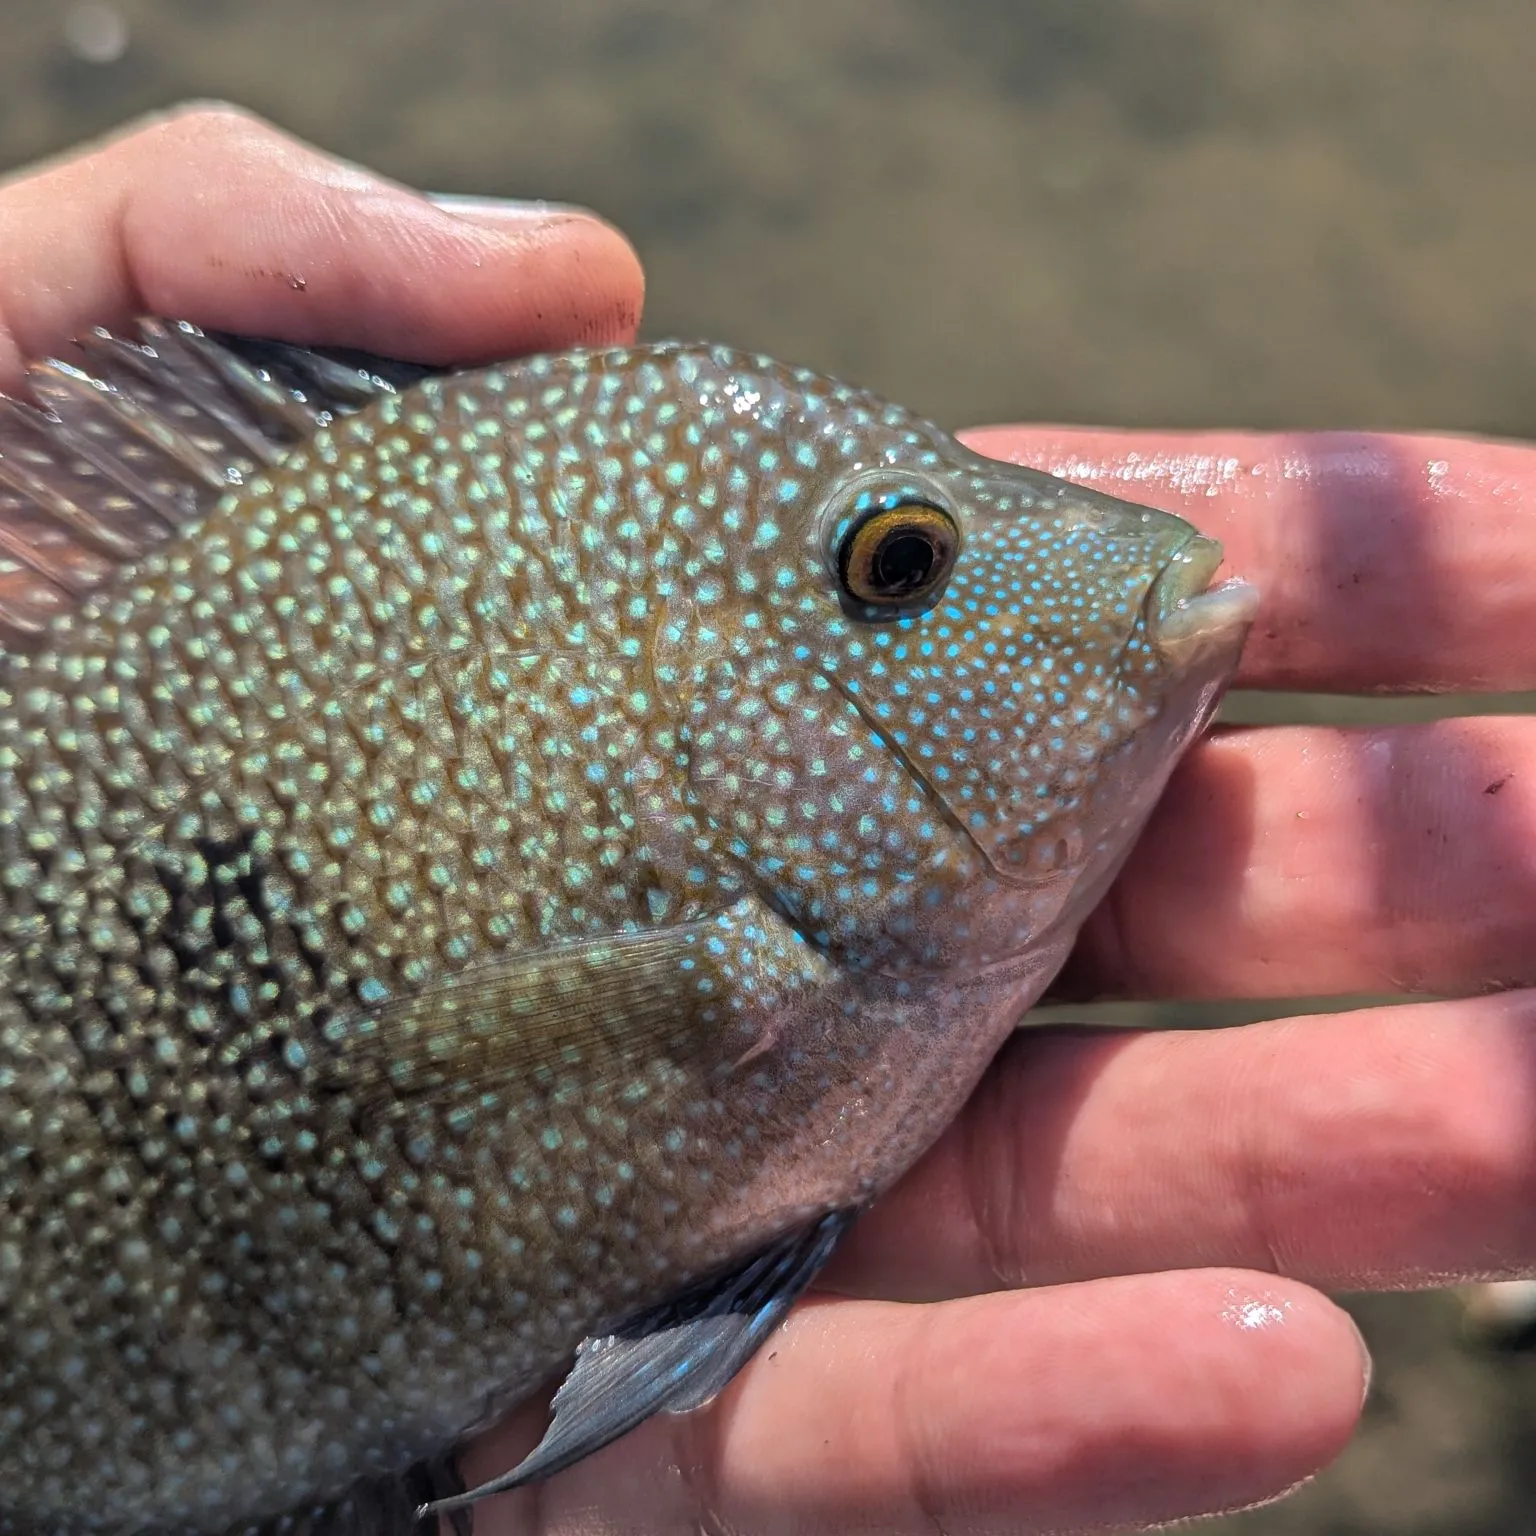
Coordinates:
x,y
1187,618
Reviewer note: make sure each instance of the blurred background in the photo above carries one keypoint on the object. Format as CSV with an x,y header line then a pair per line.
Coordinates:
x,y
1317,213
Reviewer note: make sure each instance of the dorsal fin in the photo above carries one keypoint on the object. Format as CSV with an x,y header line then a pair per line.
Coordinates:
x,y
134,435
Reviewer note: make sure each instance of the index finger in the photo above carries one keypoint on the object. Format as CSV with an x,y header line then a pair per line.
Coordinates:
x,y
210,215
1385,563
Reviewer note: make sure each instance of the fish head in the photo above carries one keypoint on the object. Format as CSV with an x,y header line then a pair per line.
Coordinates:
x,y
984,676
1040,655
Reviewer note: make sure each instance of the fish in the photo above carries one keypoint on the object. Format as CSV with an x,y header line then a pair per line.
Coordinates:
x,y
498,870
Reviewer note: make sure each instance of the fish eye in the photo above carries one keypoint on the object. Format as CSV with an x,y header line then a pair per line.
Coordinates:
x,y
894,557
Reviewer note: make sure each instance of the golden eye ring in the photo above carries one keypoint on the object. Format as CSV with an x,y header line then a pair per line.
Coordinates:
x,y
895,557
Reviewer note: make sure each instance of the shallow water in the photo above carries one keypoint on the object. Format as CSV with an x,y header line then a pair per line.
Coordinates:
x,y
1172,211
1175,212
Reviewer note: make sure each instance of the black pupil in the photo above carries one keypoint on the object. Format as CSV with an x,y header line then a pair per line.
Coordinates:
x,y
904,562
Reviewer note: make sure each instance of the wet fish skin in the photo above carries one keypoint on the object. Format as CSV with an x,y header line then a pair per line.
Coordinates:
x,y
490,873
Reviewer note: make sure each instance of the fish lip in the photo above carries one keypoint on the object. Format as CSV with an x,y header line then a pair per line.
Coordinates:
x,y
1188,618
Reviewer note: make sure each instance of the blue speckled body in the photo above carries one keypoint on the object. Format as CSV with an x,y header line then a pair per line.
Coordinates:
x,y
487,875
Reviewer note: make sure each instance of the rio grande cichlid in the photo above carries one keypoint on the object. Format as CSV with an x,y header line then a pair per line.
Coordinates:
x,y
498,870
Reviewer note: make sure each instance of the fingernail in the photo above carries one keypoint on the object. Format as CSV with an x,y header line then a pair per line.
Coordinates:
x,y
504,210
1368,1365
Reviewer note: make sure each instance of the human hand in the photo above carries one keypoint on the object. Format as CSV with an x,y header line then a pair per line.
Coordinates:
x,y
1391,1148
1174,1195
209,215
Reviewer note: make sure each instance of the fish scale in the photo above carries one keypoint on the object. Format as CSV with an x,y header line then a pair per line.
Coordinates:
x,y
509,880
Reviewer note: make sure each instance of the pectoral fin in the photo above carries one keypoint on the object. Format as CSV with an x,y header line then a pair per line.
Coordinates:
x,y
589,1010
671,1359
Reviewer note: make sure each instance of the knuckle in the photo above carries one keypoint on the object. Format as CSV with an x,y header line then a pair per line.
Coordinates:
x,y
203,125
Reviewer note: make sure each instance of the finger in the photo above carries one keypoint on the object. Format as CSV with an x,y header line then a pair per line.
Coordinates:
x,y
212,216
1393,1147
1384,562
1121,1403
1308,862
